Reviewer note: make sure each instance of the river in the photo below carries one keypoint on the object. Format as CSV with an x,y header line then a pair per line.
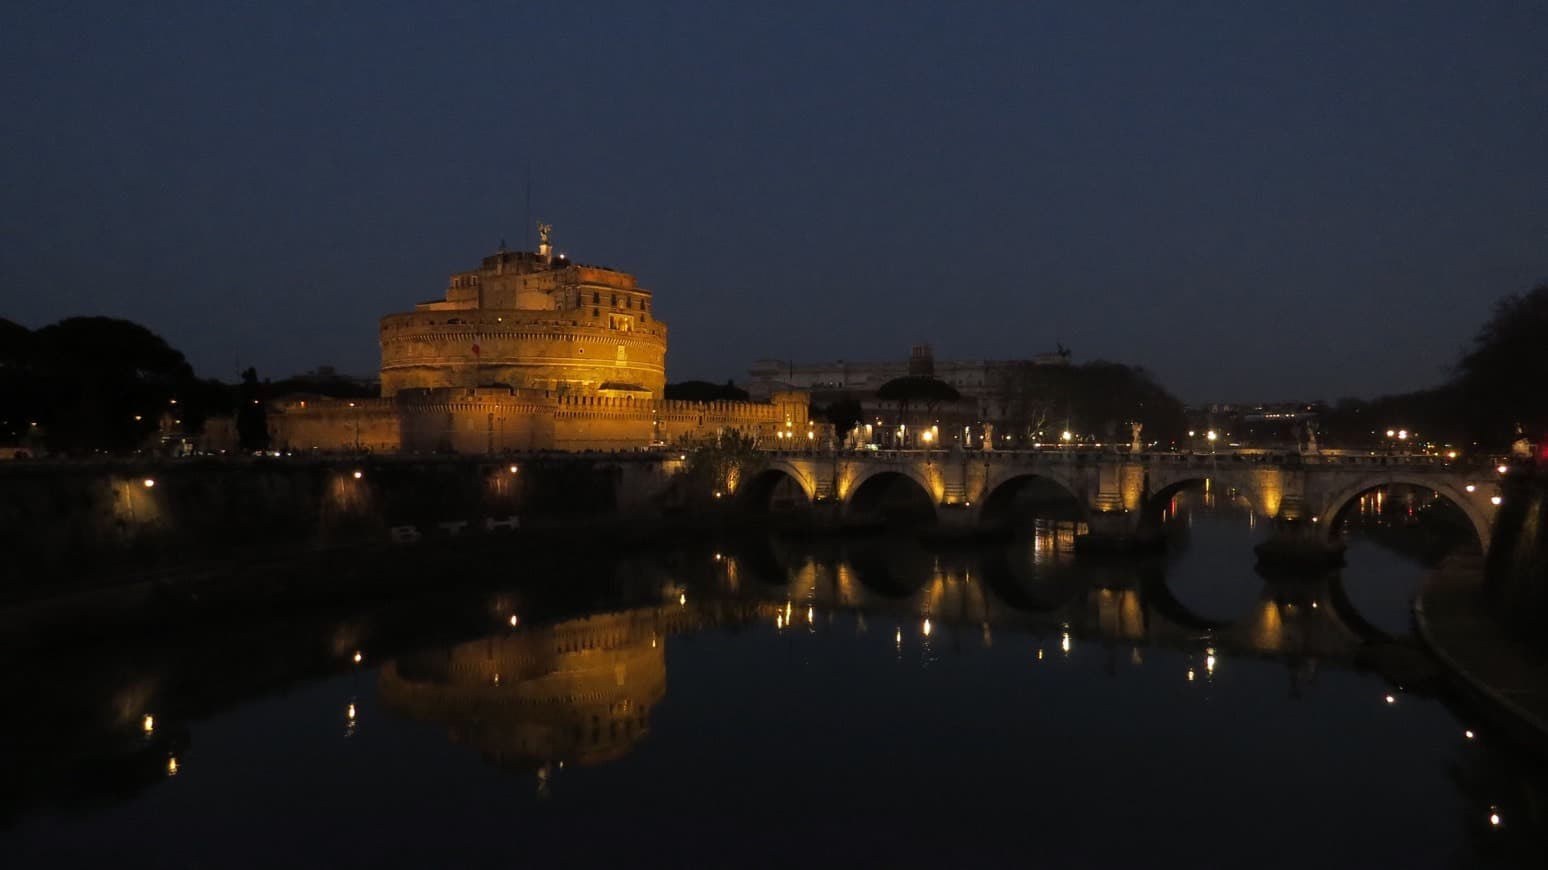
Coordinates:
x,y
778,702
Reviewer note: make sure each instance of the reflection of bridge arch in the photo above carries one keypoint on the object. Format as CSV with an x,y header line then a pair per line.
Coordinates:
x,y
757,490
1163,488
1001,489
866,490
1341,501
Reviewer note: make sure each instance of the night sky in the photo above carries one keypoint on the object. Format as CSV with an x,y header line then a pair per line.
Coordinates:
x,y
1309,201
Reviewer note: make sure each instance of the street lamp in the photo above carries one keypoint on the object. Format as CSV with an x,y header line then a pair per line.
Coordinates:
x,y
1211,435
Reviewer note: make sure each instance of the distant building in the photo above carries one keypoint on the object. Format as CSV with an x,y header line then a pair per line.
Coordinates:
x,y
969,377
993,392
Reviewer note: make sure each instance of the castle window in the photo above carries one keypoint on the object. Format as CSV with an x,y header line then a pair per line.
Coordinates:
x,y
596,298
628,301
615,300
595,313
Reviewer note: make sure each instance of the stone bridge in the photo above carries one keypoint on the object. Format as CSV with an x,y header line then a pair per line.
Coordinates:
x,y
1121,494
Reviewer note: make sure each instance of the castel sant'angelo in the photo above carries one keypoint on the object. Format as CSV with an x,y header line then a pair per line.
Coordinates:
x,y
529,351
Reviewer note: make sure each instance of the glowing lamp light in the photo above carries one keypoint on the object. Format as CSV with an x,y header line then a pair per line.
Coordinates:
x,y
513,469
148,724
149,482
515,621
898,637
349,712
1470,487
1065,435
1495,820
172,765
927,628
1064,642
1211,435
1469,734
682,598
1391,433
1190,675
358,657
1495,500
357,475
1402,434
1501,469
1390,699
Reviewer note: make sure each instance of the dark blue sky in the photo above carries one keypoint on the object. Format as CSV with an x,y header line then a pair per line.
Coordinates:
x,y
1309,200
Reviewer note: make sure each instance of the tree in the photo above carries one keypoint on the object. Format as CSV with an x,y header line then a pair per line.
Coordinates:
x,y
251,415
1503,377
722,463
704,391
102,383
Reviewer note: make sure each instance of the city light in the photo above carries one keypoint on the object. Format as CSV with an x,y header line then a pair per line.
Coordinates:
x,y
349,712
514,620
149,482
148,724
358,657
1065,435
1495,500
1501,469
359,475
513,469
1064,642
927,628
1211,435
1494,819
172,765
1470,487
682,599
1390,699
1469,734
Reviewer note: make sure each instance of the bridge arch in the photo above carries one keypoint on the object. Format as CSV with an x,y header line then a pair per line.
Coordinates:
x,y
757,490
1002,488
866,491
1470,505
1161,488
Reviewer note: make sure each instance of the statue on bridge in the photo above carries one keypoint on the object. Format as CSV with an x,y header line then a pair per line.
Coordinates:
x,y
1135,446
1311,437
988,436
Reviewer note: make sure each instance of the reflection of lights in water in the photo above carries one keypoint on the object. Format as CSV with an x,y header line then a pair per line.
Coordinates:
x,y
497,679
1209,664
1040,654
172,766
779,620
927,628
1064,642
811,614
349,712
1190,675
682,598
898,638
1136,657
148,723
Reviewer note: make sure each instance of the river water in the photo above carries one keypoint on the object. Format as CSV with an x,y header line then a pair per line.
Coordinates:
x,y
774,702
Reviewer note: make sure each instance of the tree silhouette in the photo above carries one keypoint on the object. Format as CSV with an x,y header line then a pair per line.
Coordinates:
x,y
1503,377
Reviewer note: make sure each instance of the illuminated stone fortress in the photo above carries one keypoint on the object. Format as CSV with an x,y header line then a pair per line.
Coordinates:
x,y
532,321
529,351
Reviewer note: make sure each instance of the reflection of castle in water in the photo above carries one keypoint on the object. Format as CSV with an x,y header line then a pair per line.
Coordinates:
x,y
579,691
